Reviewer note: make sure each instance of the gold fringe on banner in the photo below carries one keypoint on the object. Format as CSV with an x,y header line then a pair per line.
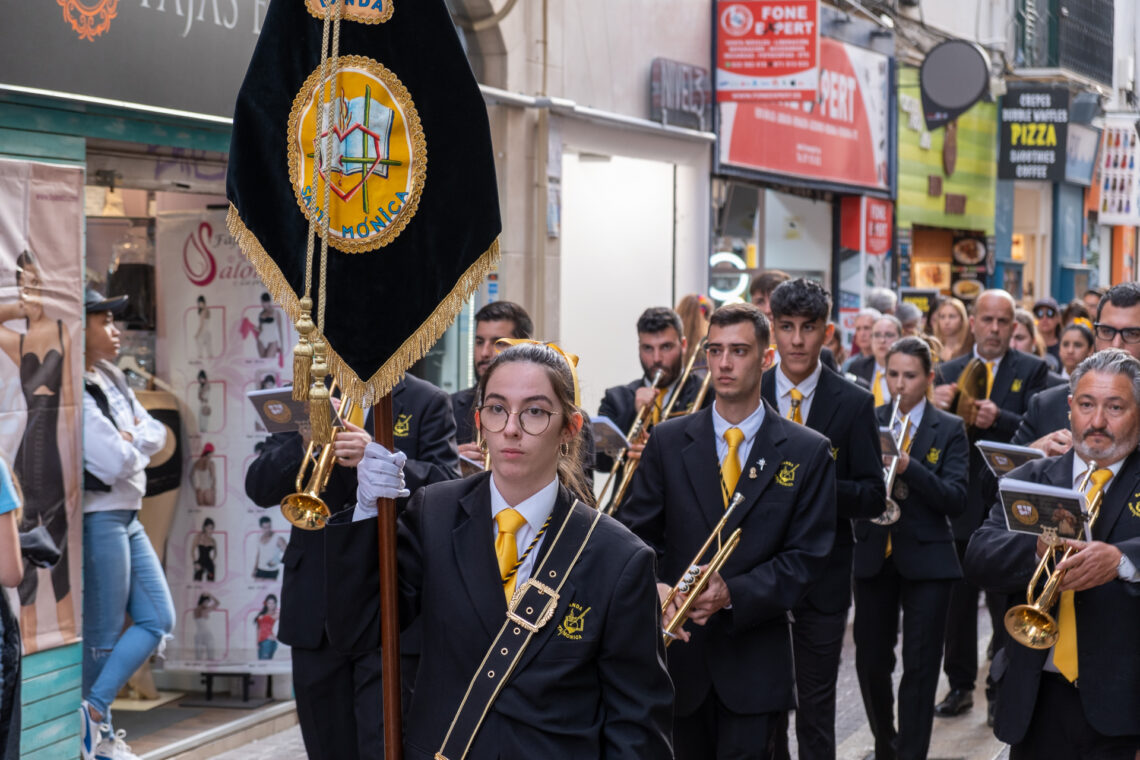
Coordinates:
x,y
320,412
366,393
303,351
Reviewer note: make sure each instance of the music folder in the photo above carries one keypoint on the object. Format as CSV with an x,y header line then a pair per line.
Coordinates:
x,y
1039,509
608,438
468,466
278,411
887,442
1002,458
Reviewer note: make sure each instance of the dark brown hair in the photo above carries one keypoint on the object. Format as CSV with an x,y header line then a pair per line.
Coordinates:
x,y
766,281
735,313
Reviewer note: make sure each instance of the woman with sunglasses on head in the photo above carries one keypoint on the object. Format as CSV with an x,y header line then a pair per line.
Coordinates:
x,y
591,682
1048,316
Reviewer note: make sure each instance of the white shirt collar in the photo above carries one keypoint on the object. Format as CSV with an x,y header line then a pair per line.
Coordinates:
x,y
916,416
996,362
750,425
534,509
1080,467
784,385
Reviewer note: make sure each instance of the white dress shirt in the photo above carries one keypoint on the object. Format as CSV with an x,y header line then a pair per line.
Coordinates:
x,y
750,426
913,423
784,388
995,362
534,509
881,373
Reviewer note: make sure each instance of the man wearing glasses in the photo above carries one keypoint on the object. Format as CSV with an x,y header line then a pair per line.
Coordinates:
x,y
1046,422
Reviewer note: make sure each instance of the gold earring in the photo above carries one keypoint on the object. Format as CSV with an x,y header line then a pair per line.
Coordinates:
x,y
564,449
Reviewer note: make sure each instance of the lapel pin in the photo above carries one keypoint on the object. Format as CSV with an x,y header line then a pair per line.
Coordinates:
x,y
752,474
761,463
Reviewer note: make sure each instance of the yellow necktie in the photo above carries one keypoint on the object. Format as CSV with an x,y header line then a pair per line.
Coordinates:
x,y
877,388
1065,650
797,401
506,548
658,404
989,378
730,469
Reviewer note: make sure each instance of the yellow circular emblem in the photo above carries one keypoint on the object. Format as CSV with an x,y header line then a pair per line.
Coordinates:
x,y
364,11
376,154
277,411
1025,512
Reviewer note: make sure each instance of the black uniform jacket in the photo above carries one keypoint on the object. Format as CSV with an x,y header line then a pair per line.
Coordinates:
x,y
424,431
604,693
1108,616
1048,412
922,543
463,407
619,404
863,368
1019,377
845,413
788,527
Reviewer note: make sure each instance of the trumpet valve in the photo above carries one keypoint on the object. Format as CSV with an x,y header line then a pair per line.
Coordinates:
x,y
683,587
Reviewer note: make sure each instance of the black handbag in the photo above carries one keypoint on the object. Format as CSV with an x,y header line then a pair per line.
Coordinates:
x,y
38,547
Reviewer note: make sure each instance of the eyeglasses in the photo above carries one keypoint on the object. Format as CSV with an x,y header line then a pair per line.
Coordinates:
x,y
1108,333
1045,311
533,420
884,336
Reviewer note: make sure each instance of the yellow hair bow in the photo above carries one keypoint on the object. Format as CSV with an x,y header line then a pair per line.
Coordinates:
x,y
1083,321
571,359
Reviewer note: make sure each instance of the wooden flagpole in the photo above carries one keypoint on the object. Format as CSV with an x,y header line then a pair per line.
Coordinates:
x,y
382,420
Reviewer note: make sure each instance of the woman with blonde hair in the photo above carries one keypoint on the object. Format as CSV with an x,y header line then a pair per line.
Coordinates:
x,y
694,310
951,326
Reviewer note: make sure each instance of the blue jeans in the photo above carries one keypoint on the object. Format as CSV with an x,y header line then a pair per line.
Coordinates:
x,y
121,574
266,649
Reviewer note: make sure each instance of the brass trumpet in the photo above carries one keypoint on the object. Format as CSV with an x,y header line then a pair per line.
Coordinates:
x,y
630,438
891,513
305,508
695,580
1031,624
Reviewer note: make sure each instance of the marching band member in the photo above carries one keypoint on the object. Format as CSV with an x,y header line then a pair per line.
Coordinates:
x,y
1013,378
591,681
912,564
871,370
734,673
1079,698
806,392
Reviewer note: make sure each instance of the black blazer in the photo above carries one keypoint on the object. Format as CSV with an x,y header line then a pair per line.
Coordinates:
x,y
1048,412
863,368
425,432
922,542
845,414
605,695
1108,616
1019,377
619,404
463,407
788,523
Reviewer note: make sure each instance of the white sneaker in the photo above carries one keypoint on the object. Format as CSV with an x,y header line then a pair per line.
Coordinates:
x,y
114,748
90,732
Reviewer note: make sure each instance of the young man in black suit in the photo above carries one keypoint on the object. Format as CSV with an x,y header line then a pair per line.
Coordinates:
x,y
1045,425
1014,378
338,695
806,392
733,667
911,564
1044,710
493,322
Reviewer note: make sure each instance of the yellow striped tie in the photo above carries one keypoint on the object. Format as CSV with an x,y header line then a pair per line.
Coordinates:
x,y
730,468
507,549
877,388
989,378
1065,650
797,401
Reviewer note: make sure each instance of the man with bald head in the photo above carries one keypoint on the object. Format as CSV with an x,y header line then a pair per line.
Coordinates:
x,y
1013,378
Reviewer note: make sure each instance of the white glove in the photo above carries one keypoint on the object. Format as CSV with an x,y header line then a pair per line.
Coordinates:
x,y
380,475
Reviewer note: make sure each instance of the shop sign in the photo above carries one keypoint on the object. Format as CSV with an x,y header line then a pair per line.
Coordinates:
x,y
1033,134
767,49
1080,154
954,76
865,231
840,136
680,94
187,56
1119,178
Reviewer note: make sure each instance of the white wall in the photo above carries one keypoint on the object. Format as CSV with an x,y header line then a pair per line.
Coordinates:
x,y
616,260
796,234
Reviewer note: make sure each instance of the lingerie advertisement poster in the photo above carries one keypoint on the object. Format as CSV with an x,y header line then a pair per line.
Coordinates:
x,y
220,336
41,387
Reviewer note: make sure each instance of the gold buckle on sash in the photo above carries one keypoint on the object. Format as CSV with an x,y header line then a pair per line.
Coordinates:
x,y
544,615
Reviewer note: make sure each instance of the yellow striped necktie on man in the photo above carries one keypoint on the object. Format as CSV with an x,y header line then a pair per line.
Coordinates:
x,y
730,468
989,378
797,403
1065,650
507,549
658,405
877,388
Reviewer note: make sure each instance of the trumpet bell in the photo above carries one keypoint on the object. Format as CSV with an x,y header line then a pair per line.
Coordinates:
x,y
305,511
890,514
1031,626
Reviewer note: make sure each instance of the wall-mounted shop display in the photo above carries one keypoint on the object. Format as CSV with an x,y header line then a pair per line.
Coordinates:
x,y
1119,177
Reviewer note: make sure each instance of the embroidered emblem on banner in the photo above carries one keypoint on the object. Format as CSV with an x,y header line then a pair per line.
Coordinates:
x,y
89,18
574,623
364,11
1024,512
932,455
403,426
787,474
1016,387
379,155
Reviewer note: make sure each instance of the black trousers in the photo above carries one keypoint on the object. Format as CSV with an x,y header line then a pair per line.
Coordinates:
x,y
961,650
877,603
339,703
1059,729
713,732
817,642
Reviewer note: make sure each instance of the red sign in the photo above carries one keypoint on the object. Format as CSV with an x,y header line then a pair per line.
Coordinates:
x,y
839,136
767,49
865,224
